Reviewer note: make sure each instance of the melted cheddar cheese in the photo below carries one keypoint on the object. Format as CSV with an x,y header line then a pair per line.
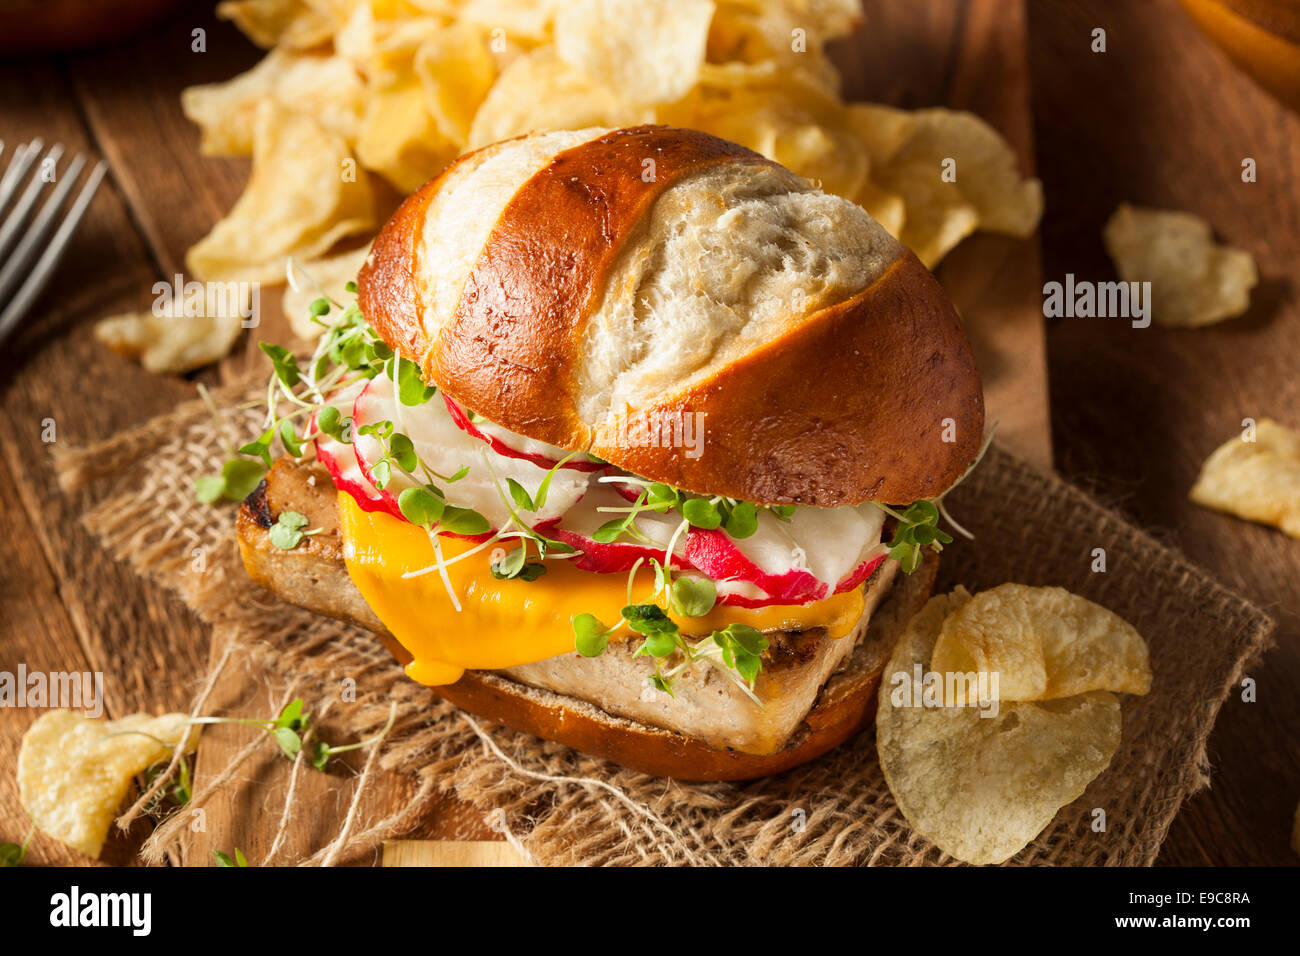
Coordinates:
x,y
506,623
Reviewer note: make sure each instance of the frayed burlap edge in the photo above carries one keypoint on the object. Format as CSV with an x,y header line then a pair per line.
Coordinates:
x,y
560,807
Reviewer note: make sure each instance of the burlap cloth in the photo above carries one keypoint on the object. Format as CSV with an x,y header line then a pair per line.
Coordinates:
x,y
560,807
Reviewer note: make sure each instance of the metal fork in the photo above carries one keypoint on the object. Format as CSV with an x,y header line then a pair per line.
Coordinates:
x,y
25,271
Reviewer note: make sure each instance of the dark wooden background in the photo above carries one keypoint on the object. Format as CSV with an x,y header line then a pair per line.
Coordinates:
x,y
1160,119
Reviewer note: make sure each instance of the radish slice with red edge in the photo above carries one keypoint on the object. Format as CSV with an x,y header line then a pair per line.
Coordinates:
x,y
579,524
340,458
509,445
446,449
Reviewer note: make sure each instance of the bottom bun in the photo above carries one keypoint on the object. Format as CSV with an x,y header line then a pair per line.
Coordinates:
x,y
314,576
842,711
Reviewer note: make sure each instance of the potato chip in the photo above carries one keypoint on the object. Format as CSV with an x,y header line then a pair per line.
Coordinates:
x,y
324,87
788,32
1194,281
540,92
456,71
297,24
883,205
643,51
1257,480
326,277
74,772
1043,643
304,194
981,788
175,344
787,115
528,21
400,140
946,201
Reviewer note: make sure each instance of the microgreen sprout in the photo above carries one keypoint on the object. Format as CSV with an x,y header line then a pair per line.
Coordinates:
x,y
287,727
224,860
736,648
13,854
288,530
321,751
178,793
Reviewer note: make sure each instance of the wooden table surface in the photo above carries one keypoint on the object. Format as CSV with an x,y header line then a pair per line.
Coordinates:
x,y
1160,119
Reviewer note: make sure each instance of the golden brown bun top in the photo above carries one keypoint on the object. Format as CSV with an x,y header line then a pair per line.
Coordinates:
x,y
604,290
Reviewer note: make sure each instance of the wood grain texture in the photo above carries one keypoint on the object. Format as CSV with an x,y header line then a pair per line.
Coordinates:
x,y
450,853
70,605
1163,119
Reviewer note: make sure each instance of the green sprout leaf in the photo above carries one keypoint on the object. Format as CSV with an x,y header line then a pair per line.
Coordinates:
x,y
289,438
917,529
421,506
287,530
522,499
209,488
516,565
239,476
701,513
283,362
289,741
742,521
411,389
590,636
331,422
610,531
463,521
662,498
694,596
402,451
260,447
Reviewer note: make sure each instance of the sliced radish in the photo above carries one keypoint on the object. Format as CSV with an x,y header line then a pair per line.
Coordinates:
x,y
340,458
719,556
861,572
579,524
803,559
445,448
509,445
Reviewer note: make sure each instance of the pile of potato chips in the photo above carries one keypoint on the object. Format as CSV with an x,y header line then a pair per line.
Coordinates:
x,y
981,778
354,89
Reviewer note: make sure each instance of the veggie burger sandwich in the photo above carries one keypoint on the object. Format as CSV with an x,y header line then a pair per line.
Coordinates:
x,y
633,440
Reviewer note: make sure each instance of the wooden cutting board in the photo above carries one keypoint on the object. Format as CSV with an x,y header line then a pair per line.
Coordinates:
x,y
95,615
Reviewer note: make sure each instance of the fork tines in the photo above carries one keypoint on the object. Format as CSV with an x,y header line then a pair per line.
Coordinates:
x,y
28,251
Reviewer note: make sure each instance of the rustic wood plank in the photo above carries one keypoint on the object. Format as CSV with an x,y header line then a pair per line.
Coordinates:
x,y
86,610
450,853
57,371
39,635
1163,119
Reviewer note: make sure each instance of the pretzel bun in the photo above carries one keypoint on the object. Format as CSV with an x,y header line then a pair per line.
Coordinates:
x,y
579,286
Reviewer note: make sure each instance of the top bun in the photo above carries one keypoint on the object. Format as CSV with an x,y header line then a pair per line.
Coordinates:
x,y
600,289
